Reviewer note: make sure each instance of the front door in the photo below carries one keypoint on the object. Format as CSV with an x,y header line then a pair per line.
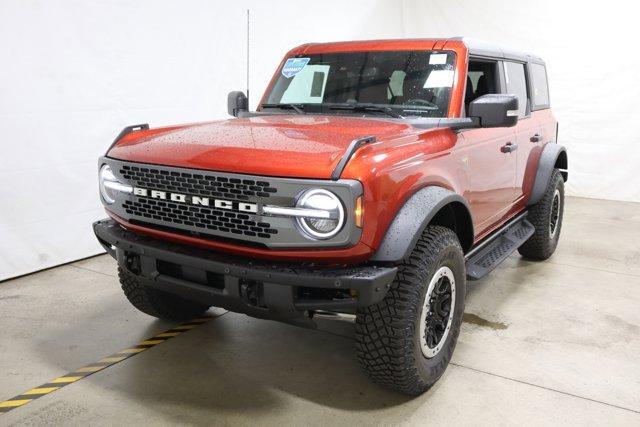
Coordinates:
x,y
491,175
490,154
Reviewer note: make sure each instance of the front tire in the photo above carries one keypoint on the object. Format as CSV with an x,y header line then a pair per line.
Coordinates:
x,y
546,217
157,303
406,341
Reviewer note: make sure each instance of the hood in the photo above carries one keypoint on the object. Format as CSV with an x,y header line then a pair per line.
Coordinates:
x,y
286,145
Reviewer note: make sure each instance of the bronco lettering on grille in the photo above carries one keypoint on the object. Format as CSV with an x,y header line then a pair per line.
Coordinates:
x,y
196,200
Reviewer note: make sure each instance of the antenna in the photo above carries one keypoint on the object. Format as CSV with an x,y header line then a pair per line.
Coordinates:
x,y
247,59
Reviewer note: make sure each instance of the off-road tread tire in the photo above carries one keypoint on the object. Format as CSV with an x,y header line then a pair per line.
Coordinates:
x,y
385,333
540,245
157,303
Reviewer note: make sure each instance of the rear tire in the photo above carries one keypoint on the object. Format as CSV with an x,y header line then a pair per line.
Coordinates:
x,y
156,303
405,342
546,217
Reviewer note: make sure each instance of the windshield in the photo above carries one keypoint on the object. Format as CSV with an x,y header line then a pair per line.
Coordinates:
x,y
406,83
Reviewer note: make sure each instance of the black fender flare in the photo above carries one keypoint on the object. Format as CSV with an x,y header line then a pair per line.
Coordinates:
x,y
548,160
411,220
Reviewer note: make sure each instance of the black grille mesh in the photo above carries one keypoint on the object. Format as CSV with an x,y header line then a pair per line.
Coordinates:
x,y
204,218
199,216
197,184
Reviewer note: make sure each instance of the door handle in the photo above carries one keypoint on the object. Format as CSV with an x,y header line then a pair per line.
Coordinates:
x,y
536,138
509,147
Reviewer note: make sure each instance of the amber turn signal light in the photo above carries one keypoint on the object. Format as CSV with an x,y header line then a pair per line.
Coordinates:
x,y
359,212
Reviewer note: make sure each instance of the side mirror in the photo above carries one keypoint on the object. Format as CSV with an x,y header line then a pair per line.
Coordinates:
x,y
495,110
236,102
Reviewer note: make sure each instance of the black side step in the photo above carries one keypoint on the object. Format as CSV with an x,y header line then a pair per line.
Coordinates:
x,y
492,252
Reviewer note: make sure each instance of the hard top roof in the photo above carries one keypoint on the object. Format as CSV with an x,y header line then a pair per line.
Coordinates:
x,y
483,48
476,47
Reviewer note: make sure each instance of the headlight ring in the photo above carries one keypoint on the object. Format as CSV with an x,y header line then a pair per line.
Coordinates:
x,y
319,199
110,186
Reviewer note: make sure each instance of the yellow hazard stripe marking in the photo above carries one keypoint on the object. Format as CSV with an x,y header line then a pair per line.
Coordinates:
x,y
131,350
41,390
14,403
151,342
72,377
185,327
65,380
168,334
112,359
91,368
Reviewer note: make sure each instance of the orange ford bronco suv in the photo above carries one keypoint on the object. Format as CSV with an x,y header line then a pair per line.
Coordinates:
x,y
373,180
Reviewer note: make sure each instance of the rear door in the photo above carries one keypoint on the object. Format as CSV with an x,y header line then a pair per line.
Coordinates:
x,y
528,130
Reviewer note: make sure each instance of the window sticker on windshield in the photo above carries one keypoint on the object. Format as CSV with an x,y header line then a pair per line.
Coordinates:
x,y
293,66
437,59
439,78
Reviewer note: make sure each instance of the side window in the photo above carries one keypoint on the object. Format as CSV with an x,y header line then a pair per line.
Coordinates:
x,y
540,89
481,79
517,85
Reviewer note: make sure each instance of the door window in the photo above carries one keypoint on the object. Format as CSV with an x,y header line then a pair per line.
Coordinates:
x,y
517,85
481,80
539,85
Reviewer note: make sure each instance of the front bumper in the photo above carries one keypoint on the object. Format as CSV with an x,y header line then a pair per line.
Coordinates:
x,y
274,290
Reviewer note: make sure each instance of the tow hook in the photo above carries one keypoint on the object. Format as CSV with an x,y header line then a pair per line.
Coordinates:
x,y
132,263
251,292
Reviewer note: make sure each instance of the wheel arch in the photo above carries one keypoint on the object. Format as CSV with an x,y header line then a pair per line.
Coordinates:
x,y
562,163
553,156
432,205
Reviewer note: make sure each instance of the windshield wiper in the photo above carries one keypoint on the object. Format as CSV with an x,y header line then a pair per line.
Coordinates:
x,y
367,107
293,107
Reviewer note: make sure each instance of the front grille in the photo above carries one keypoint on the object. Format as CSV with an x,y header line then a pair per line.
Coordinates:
x,y
204,219
194,183
223,206
199,216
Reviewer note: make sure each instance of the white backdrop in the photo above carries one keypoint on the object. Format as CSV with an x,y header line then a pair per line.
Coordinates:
x,y
73,73
594,71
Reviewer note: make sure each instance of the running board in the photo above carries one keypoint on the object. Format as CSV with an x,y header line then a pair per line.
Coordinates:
x,y
489,254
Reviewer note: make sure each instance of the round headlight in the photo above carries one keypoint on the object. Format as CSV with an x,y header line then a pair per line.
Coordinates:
x,y
110,185
329,216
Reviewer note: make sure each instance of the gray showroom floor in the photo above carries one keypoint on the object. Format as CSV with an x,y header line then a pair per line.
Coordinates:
x,y
550,342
